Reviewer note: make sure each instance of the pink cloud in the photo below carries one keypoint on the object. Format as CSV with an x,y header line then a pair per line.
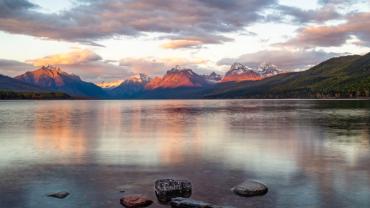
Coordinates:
x,y
74,57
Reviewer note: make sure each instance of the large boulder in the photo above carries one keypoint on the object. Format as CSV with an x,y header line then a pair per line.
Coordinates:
x,y
135,201
250,188
166,189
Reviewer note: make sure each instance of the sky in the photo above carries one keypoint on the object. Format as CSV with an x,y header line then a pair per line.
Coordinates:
x,y
106,40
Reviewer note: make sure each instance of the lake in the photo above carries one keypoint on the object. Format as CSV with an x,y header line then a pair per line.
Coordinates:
x,y
310,153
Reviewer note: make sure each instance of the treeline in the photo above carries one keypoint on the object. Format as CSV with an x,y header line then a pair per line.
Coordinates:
x,y
309,94
291,94
8,95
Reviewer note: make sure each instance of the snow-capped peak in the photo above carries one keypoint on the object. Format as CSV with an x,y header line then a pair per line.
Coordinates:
x,y
109,85
139,78
212,77
179,69
51,68
238,68
267,70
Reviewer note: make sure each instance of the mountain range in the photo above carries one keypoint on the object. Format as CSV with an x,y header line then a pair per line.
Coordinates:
x,y
347,76
340,77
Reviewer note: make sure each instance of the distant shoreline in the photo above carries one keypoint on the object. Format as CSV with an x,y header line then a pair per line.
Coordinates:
x,y
12,95
152,99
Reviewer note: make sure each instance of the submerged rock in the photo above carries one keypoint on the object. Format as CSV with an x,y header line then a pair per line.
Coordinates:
x,y
121,189
59,195
135,201
166,189
180,202
250,188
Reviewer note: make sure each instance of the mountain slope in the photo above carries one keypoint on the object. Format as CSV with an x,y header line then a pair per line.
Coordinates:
x,y
177,78
10,84
212,77
54,79
130,87
238,72
346,76
268,70
14,89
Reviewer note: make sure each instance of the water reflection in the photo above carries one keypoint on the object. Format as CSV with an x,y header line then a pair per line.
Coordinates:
x,y
60,131
310,153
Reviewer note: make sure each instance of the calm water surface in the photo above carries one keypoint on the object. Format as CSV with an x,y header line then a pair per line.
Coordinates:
x,y
309,153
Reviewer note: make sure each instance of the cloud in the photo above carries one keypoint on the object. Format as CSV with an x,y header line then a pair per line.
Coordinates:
x,y
312,36
74,57
157,67
193,41
174,44
186,23
325,13
96,19
12,68
82,62
98,71
283,59
9,8
341,2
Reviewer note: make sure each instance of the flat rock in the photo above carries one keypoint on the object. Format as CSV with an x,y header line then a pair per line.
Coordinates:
x,y
59,195
180,202
166,189
135,201
250,188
